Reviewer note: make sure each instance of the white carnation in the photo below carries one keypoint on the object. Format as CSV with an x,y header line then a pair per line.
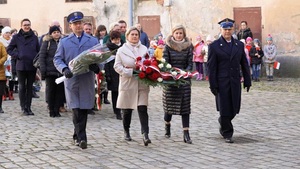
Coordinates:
x,y
159,79
168,66
174,73
163,60
161,65
182,72
103,71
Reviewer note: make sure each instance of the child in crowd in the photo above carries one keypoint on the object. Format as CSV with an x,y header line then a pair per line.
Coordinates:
x,y
152,48
209,39
248,47
198,57
270,52
256,54
246,51
158,54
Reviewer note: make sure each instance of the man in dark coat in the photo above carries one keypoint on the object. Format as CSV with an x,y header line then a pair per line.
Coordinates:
x,y
226,57
144,37
23,47
245,32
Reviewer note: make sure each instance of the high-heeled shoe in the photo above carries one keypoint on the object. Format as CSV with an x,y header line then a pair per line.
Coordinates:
x,y
186,137
146,139
168,130
127,136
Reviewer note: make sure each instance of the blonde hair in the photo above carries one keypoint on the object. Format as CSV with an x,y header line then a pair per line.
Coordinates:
x,y
132,29
177,27
112,25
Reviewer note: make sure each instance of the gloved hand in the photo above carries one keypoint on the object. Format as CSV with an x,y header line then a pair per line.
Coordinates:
x,y
95,68
68,74
248,88
214,91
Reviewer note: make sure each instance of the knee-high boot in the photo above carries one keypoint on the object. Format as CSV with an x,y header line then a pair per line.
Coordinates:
x,y
144,118
126,123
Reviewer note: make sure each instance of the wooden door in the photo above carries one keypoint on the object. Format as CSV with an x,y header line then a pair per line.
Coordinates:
x,y
150,24
253,17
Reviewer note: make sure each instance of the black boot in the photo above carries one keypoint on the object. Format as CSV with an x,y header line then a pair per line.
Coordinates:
x,y
105,94
168,130
126,123
16,89
57,114
52,114
146,139
144,118
118,115
186,137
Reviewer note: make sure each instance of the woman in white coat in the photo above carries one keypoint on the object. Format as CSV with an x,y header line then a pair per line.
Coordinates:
x,y
132,93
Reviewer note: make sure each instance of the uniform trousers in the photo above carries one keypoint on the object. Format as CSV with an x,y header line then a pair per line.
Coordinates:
x,y
79,121
226,127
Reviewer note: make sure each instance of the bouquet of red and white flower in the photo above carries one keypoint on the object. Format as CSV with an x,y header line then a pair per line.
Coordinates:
x,y
155,72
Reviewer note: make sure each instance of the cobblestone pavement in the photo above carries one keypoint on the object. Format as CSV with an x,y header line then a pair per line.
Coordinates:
x,y
267,135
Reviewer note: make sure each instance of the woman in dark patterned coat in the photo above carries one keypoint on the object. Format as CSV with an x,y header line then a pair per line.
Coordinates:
x,y
177,100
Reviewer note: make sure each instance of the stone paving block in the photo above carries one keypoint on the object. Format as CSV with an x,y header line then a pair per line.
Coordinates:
x,y
265,137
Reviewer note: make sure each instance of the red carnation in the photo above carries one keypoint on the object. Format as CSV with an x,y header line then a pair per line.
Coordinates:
x,y
142,75
147,62
155,63
148,70
156,75
138,58
146,56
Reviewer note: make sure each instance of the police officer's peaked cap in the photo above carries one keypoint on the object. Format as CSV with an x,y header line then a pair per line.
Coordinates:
x,y
75,17
226,23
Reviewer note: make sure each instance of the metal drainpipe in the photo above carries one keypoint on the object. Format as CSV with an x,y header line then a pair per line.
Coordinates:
x,y
130,13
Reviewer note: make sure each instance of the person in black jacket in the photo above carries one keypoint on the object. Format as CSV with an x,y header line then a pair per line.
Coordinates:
x,y
226,59
54,92
112,77
177,100
23,47
245,32
256,53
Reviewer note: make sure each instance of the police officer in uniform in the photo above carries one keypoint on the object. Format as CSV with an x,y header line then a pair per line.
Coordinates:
x,y
226,58
79,89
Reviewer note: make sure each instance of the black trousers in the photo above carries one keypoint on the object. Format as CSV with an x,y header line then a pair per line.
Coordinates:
x,y
143,116
79,121
114,98
226,127
26,79
2,90
54,93
185,119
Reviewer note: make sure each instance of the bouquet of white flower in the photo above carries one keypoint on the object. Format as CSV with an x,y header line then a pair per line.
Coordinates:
x,y
80,64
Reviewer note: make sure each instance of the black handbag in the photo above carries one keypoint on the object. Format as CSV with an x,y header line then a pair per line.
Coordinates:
x,y
35,61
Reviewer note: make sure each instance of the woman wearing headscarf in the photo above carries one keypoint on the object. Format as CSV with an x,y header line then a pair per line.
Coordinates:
x,y
177,99
129,86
